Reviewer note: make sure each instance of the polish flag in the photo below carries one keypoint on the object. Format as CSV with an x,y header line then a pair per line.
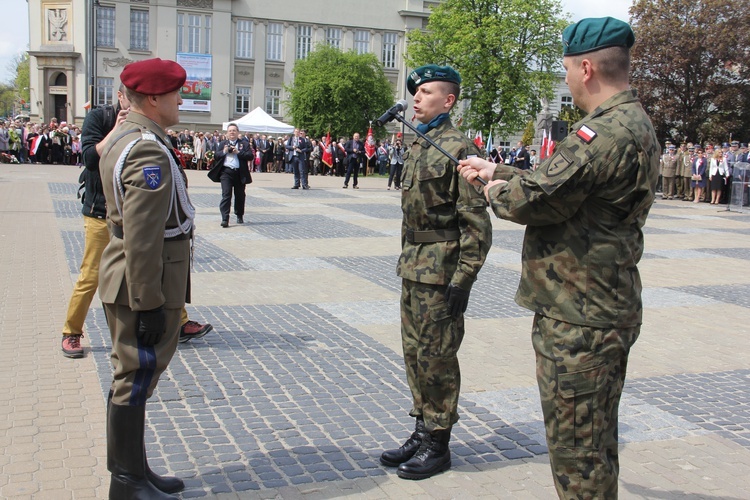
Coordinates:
x,y
545,140
478,139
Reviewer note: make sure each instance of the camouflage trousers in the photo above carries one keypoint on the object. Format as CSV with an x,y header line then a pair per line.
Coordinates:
x,y
431,338
581,372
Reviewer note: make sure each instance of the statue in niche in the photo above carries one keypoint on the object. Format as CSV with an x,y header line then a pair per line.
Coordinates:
x,y
58,20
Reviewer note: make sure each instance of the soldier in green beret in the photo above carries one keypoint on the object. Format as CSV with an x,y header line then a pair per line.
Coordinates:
x,y
584,209
445,236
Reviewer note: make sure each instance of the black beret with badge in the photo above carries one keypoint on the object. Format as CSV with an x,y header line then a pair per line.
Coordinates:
x,y
431,73
588,35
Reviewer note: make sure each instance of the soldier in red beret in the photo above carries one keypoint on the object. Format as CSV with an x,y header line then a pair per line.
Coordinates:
x,y
144,270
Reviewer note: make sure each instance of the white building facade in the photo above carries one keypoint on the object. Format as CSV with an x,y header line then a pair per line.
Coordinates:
x,y
239,54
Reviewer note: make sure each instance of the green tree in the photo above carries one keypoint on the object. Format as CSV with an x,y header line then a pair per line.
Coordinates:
x,y
505,50
571,114
691,66
339,91
17,88
529,132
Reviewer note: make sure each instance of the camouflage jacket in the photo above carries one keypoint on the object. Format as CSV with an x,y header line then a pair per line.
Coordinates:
x,y
584,209
433,197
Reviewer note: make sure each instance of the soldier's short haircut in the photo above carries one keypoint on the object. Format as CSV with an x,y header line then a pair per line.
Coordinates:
x,y
612,63
453,88
233,125
134,97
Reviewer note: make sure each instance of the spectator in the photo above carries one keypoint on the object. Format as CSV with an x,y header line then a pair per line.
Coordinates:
x,y
355,154
717,175
382,154
397,164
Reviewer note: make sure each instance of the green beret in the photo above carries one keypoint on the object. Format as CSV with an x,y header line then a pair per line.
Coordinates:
x,y
431,73
588,35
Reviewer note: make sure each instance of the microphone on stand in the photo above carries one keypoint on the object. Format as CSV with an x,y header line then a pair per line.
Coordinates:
x,y
391,113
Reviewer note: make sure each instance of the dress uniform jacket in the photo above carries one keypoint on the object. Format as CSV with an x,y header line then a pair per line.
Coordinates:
x,y
584,209
155,272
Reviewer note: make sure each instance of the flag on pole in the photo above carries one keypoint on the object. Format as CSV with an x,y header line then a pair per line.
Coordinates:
x,y
489,142
327,157
370,144
543,152
478,139
35,144
550,144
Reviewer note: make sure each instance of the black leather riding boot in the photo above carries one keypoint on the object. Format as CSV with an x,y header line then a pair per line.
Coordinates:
x,y
125,455
433,456
167,484
394,458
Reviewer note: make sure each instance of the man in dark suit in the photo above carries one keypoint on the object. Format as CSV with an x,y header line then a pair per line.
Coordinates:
x,y
355,152
299,147
231,168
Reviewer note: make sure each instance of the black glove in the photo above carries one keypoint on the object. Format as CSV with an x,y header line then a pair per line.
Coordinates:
x,y
457,299
151,326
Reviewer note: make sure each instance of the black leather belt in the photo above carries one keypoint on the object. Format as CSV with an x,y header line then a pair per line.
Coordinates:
x,y
117,233
433,236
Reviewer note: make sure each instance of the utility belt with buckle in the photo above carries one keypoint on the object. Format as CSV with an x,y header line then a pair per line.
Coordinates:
x,y
432,236
117,233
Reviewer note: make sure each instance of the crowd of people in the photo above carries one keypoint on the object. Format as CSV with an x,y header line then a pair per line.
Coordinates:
x,y
700,173
53,142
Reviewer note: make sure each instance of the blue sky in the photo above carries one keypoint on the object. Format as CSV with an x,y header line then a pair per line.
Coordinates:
x,y
15,37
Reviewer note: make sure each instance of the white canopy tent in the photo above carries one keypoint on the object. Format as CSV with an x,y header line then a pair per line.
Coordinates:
x,y
258,121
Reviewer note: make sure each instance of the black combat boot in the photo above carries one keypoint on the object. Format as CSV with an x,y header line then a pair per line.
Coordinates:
x,y
433,456
167,484
126,459
394,458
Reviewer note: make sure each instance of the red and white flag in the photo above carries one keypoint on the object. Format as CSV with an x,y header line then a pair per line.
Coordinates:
x,y
35,144
545,141
550,147
369,144
478,139
327,157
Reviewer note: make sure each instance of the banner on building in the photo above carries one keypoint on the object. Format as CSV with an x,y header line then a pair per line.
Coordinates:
x,y
196,93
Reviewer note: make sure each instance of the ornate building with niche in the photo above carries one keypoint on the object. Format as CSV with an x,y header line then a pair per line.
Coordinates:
x,y
239,54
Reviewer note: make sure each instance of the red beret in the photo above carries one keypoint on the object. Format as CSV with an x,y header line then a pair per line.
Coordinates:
x,y
153,76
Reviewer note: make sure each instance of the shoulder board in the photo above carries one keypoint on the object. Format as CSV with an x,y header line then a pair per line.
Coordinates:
x,y
586,134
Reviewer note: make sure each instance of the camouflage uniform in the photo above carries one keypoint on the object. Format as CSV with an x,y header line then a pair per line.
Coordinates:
x,y
436,201
584,209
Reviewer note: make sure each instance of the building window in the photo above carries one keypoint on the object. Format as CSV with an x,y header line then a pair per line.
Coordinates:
x,y
304,41
193,33
138,29
566,101
274,42
333,37
389,50
242,100
273,99
104,91
105,26
244,39
362,41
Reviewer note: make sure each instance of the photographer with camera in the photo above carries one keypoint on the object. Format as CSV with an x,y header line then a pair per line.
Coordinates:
x,y
231,169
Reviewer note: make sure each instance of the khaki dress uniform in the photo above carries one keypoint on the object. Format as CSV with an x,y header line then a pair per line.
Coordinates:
x,y
668,172
140,269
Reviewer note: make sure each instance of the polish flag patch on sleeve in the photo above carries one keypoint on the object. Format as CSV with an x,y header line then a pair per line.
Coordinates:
x,y
586,134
